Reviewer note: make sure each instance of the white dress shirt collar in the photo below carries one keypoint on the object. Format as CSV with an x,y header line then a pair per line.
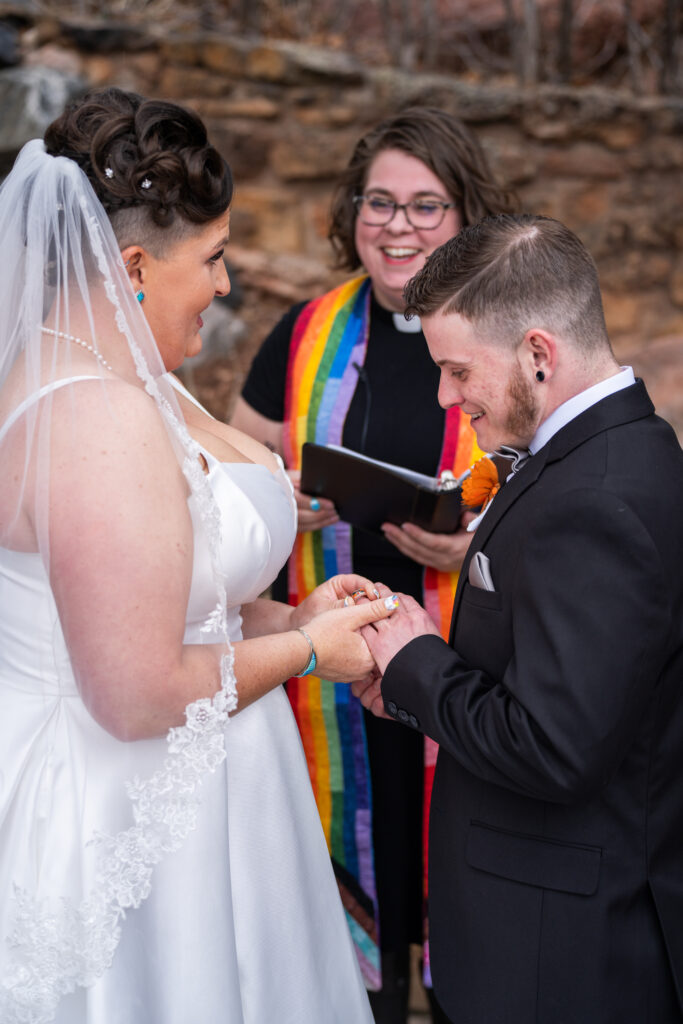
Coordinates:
x,y
573,407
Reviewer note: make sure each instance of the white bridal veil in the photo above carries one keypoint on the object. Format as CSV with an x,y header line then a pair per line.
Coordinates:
x,y
67,878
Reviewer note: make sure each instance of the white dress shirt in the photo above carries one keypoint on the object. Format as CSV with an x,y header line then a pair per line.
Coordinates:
x,y
565,413
574,406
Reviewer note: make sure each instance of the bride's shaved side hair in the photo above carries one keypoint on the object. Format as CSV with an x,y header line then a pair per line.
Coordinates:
x,y
509,273
149,162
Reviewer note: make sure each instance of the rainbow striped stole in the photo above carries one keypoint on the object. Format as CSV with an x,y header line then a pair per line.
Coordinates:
x,y
458,452
330,335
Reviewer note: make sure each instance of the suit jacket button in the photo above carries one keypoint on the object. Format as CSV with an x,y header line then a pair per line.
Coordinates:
x,y
391,708
403,715
414,722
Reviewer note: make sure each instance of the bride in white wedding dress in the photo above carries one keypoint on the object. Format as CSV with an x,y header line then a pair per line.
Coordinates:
x,y
161,856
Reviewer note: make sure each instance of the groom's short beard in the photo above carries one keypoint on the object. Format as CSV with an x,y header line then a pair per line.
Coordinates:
x,y
522,419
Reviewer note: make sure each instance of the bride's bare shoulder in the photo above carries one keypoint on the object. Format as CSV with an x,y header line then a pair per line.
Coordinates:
x,y
109,413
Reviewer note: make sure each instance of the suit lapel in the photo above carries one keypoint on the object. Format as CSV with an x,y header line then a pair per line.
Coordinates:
x,y
505,499
624,406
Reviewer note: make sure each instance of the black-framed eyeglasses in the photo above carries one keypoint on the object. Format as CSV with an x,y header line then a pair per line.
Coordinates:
x,y
423,214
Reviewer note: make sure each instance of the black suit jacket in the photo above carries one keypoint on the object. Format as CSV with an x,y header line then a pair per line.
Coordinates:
x,y
556,828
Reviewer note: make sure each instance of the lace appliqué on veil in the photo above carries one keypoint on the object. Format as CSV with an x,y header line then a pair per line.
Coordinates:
x,y
58,946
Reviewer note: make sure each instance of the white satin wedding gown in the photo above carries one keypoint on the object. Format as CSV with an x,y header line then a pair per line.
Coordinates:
x,y
243,924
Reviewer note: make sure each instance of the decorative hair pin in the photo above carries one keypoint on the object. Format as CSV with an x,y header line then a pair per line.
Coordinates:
x,y
145,183
108,172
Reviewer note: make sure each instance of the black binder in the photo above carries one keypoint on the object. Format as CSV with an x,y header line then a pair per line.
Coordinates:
x,y
367,493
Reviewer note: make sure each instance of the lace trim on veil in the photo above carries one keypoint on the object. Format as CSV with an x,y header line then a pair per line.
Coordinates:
x,y
59,946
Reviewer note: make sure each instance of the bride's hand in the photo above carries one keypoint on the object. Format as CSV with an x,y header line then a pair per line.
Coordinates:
x,y
331,594
341,652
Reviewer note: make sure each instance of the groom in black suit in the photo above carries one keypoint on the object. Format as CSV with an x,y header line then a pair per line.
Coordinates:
x,y
556,831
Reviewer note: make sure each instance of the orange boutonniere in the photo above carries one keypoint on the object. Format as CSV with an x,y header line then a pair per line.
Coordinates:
x,y
482,485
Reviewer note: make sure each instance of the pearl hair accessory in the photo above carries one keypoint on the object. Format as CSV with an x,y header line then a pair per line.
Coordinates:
x,y
108,172
145,183
78,341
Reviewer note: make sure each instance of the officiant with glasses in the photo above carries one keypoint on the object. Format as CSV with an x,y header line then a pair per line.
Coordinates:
x,y
347,368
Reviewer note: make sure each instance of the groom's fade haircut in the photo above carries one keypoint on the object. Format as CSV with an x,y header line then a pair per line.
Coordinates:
x,y
507,274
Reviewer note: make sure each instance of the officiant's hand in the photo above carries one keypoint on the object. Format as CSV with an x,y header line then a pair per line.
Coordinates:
x,y
442,551
313,513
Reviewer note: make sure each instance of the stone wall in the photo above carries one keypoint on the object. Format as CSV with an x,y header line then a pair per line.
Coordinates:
x,y
287,115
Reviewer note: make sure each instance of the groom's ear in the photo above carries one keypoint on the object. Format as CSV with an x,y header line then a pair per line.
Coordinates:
x,y
538,351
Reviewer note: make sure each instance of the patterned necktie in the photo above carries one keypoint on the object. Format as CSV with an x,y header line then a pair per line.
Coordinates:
x,y
518,457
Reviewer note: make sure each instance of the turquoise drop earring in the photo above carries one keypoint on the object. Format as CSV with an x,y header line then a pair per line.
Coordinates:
x,y
140,295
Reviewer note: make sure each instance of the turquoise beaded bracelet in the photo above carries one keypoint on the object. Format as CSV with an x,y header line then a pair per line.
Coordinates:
x,y
312,661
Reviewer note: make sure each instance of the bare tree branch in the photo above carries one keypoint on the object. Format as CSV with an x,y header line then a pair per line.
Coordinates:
x,y
484,57
339,18
633,49
250,16
207,14
669,72
604,54
515,40
430,34
407,52
531,43
638,45
392,30
564,40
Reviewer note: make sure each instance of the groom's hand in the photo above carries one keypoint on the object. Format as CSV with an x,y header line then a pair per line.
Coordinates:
x,y
369,692
387,637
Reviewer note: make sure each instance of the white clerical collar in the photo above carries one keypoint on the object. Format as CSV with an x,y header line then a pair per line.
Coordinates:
x,y
573,407
412,326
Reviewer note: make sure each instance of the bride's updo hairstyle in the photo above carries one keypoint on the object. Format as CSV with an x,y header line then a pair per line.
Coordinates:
x,y
149,162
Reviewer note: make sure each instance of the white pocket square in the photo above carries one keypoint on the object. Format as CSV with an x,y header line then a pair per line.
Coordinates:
x,y
480,572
